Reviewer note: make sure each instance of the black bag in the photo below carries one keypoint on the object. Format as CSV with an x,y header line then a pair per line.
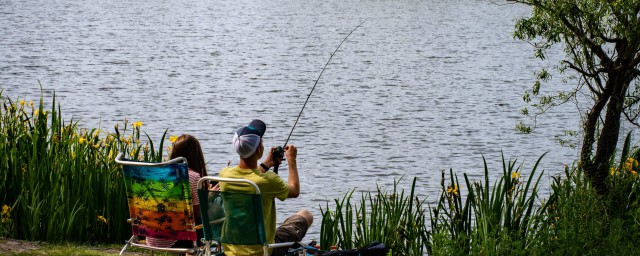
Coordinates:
x,y
374,249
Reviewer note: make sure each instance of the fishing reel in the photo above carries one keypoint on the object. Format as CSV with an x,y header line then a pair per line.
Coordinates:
x,y
278,155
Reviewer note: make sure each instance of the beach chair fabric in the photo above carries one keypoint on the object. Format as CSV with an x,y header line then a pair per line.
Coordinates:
x,y
244,223
233,218
159,199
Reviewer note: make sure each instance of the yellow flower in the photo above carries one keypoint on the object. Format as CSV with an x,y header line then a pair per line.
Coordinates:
x,y
82,140
22,103
515,175
173,138
137,124
634,173
6,209
103,219
453,190
37,112
31,103
612,171
630,164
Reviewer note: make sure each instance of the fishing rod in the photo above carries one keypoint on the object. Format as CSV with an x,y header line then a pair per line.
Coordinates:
x,y
278,153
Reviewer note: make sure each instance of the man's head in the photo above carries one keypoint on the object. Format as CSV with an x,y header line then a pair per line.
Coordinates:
x,y
248,139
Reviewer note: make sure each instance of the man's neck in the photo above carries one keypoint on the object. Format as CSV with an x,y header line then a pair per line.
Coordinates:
x,y
248,163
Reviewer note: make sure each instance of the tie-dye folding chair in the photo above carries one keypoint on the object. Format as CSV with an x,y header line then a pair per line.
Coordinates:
x,y
230,217
160,206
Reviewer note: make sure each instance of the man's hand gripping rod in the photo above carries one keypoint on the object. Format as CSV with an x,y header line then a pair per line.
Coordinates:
x,y
278,153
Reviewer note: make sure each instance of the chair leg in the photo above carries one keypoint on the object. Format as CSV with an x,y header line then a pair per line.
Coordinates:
x,y
126,245
207,247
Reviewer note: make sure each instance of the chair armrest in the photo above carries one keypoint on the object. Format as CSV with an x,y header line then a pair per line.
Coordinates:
x,y
287,244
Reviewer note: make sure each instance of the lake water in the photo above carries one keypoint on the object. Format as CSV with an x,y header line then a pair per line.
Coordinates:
x,y
420,87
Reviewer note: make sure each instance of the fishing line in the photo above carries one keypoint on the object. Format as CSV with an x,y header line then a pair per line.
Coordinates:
x,y
279,152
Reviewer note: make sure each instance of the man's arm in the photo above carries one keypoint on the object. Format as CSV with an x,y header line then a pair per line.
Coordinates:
x,y
291,153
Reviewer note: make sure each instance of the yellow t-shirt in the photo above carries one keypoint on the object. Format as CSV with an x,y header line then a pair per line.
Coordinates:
x,y
271,187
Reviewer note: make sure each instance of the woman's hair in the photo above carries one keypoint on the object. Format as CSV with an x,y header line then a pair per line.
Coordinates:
x,y
188,147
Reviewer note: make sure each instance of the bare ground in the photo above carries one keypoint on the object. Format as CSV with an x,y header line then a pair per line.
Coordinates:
x,y
12,246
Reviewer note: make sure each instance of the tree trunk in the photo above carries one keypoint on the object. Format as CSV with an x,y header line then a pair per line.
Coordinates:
x,y
597,168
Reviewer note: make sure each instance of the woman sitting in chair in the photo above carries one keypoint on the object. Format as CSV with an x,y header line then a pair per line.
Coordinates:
x,y
188,147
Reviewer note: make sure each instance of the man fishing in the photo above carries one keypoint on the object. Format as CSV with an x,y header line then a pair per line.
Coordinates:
x,y
248,144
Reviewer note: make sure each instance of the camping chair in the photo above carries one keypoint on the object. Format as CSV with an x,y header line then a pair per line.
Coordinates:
x,y
233,218
160,206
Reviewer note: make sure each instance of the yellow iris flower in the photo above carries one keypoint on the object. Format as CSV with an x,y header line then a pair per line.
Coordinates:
x,y
103,219
453,190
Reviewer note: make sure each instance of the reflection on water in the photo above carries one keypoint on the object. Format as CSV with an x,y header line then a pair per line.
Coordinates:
x,y
421,87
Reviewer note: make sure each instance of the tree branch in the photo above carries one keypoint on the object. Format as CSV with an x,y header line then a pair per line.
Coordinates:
x,y
593,46
635,61
580,70
631,120
609,40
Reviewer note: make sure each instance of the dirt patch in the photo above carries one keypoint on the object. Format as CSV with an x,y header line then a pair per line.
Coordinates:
x,y
11,246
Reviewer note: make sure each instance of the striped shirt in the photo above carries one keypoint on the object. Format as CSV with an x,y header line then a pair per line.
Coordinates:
x,y
193,181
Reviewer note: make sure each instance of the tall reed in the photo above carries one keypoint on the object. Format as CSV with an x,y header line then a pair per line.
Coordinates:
x,y
391,217
59,182
489,215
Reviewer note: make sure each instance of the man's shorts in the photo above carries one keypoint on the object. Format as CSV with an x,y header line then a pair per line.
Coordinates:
x,y
292,230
